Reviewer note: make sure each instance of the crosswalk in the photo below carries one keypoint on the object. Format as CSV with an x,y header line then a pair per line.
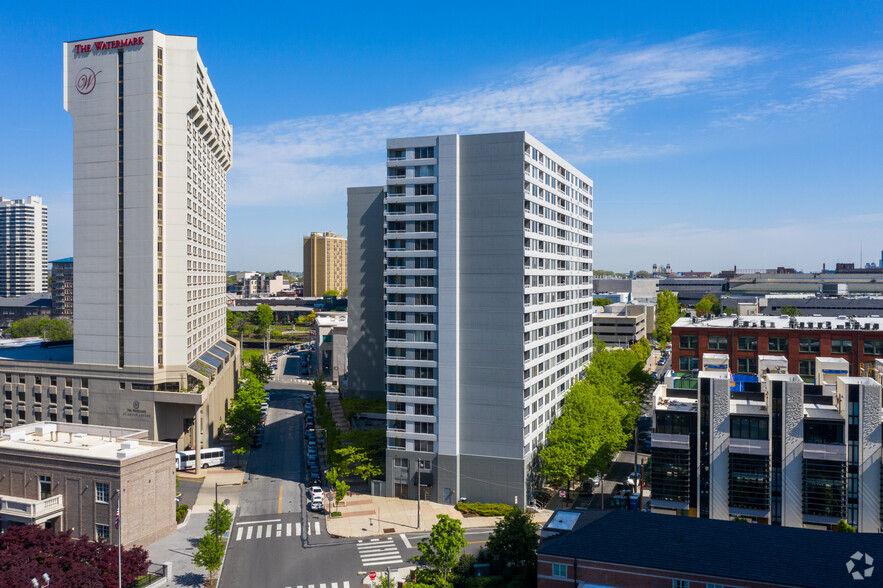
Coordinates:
x,y
378,552
326,585
273,529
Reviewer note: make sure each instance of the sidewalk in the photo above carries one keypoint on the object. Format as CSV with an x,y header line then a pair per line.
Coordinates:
x,y
366,516
179,547
332,398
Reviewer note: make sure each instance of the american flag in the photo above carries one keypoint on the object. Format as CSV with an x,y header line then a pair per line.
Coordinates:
x,y
117,520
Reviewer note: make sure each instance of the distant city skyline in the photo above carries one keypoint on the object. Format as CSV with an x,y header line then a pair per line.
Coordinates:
x,y
716,135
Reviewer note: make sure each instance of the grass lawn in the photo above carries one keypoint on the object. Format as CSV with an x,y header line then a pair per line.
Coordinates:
x,y
248,354
353,406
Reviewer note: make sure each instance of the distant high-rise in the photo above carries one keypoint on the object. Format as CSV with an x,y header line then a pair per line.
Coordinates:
x,y
24,264
324,263
471,303
63,288
152,148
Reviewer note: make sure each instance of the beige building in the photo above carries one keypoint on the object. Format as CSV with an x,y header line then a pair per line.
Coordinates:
x,y
324,263
70,477
622,325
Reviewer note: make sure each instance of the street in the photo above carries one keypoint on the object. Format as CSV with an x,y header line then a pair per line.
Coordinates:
x,y
275,540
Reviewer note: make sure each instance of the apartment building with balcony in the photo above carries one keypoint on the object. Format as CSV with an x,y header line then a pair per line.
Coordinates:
x,y
70,477
24,246
773,448
484,245
62,289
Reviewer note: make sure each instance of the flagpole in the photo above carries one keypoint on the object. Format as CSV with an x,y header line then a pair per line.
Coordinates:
x,y
119,545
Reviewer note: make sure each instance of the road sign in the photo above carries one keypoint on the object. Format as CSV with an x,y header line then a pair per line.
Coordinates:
x,y
562,493
372,575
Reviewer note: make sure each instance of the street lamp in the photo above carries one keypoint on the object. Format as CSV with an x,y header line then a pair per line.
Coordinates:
x,y
215,507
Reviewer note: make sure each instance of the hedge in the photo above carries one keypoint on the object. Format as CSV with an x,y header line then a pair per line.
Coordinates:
x,y
484,509
181,513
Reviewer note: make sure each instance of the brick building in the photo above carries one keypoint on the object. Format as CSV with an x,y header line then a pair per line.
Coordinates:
x,y
800,339
636,550
69,477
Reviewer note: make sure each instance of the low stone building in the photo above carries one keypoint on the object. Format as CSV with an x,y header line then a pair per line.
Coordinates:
x,y
71,476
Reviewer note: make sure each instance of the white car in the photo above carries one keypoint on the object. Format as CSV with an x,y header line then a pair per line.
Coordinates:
x,y
315,492
317,505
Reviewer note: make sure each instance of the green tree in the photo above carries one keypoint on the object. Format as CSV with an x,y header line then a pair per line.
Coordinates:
x,y
244,415
710,304
231,319
601,301
515,539
345,292
642,348
359,461
844,527
340,490
262,317
210,554
223,516
440,551
35,326
331,292
643,274
319,385
791,311
260,369
667,311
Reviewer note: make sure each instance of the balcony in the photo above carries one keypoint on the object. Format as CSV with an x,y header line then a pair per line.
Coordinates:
x,y
30,510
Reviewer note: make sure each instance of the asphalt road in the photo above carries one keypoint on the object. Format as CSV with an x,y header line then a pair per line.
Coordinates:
x,y
276,541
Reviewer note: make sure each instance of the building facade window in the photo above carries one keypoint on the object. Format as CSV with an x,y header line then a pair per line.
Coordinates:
x,y
747,344
559,570
806,367
841,345
687,363
809,345
779,344
102,532
102,492
689,342
874,347
717,343
45,487
746,365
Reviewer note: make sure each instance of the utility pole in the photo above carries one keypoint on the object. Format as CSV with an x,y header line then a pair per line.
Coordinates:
x,y
418,495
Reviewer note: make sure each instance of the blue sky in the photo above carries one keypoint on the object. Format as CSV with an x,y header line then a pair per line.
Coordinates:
x,y
743,134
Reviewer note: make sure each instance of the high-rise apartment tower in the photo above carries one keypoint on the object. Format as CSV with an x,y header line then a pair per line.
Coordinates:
x,y
152,147
324,263
24,266
472,272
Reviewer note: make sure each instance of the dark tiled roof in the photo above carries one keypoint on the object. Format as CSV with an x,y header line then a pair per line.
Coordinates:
x,y
33,299
726,549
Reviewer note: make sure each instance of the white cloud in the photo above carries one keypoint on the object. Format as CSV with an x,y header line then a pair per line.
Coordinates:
x,y
294,162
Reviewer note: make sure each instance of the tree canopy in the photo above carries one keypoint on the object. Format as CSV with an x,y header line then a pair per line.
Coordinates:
x,y
710,304
244,415
440,551
28,551
331,292
210,553
262,317
260,369
515,539
643,274
601,301
667,312
35,326
599,414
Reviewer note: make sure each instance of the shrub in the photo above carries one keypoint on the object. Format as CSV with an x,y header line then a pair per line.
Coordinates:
x,y
181,513
484,509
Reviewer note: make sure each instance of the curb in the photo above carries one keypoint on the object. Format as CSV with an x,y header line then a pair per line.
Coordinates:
x,y
186,518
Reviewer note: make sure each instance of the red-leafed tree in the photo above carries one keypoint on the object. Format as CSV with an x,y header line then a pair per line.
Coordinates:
x,y
29,552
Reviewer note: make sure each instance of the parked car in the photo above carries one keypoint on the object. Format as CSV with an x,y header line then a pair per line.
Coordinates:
x,y
315,491
312,454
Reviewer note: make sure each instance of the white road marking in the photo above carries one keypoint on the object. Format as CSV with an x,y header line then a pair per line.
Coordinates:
x,y
308,529
248,533
346,585
239,533
279,530
333,584
269,531
321,585
318,529
259,522
297,529
259,532
405,541
288,529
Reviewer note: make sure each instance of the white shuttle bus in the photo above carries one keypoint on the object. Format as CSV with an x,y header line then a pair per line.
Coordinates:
x,y
210,456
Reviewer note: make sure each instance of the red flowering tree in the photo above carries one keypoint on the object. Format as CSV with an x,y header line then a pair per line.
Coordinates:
x,y
29,552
